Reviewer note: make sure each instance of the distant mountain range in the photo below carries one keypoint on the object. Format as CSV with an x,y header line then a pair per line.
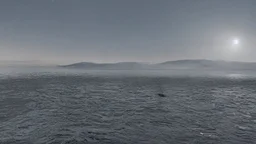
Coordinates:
x,y
178,64
121,65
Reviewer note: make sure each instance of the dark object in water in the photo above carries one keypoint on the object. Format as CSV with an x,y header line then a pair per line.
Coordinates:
x,y
161,95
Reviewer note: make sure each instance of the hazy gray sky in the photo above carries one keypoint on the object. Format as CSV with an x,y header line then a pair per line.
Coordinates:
x,y
66,31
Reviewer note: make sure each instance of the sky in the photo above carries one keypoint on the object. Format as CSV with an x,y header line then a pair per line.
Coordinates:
x,y
67,31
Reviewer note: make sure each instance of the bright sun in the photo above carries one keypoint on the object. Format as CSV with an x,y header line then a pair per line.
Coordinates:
x,y
236,41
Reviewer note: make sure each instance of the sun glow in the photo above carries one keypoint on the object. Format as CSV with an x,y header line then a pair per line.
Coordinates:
x,y
236,41
235,44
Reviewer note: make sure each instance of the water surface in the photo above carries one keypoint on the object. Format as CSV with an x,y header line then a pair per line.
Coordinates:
x,y
70,106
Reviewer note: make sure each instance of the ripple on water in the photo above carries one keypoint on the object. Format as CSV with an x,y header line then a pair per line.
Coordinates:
x,y
99,109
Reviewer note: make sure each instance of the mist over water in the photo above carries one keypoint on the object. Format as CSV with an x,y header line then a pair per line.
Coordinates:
x,y
15,71
54,105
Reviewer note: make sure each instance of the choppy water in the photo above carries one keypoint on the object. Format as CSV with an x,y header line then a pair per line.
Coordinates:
x,y
94,108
